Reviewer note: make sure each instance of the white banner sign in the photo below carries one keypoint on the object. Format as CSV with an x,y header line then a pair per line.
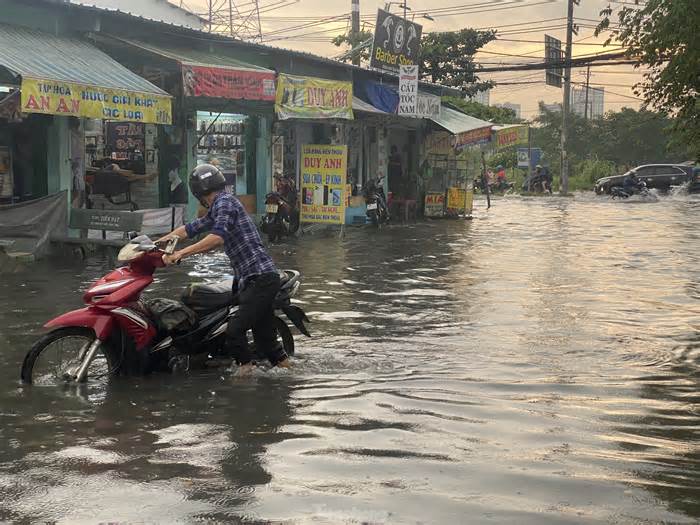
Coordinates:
x,y
408,91
428,106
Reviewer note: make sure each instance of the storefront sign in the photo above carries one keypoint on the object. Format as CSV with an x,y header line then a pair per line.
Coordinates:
x,y
396,42
242,84
313,98
408,91
111,220
434,204
512,136
428,106
323,184
125,138
473,137
78,100
438,143
456,199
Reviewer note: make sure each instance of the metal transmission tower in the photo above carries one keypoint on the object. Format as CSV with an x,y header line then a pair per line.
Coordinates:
x,y
239,19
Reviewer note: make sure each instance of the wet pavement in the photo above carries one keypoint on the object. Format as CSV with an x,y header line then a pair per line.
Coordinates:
x,y
539,364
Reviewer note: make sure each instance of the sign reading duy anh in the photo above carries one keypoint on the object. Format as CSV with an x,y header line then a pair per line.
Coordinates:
x,y
396,42
78,100
218,82
309,97
408,91
323,170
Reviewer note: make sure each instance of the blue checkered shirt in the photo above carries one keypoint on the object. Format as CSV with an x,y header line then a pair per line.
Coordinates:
x,y
228,219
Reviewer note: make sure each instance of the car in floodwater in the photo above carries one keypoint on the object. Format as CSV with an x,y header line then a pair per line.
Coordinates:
x,y
656,176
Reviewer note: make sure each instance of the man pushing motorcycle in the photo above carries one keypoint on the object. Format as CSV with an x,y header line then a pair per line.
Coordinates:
x,y
257,277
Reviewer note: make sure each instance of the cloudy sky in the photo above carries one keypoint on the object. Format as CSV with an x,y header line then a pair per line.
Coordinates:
x,y
309,25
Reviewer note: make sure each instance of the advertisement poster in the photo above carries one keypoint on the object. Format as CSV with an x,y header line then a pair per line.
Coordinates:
x,y
215,82
124,138
434,204
510,136
323,184
456,199
396,42
78,100
408,91
308,97
473,137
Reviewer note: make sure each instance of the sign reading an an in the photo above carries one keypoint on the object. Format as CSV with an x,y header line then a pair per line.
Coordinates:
x,y
396,42
52,97
215,82
408,91
323,187
553,54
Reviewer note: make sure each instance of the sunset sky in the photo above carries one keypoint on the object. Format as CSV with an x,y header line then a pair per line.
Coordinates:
x,y
308,25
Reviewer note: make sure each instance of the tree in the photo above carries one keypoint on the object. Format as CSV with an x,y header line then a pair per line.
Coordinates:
x,y
490,113
448,58
352,41
664,36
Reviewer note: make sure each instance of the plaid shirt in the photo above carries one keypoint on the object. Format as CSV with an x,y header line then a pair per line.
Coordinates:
x,y
228,219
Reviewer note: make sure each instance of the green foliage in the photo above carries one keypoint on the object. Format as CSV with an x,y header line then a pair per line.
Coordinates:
x,y
352,41
490,113
448,58
590,170
664,35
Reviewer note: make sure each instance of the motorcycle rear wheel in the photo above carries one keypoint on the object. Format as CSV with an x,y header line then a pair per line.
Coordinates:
x,y
77,339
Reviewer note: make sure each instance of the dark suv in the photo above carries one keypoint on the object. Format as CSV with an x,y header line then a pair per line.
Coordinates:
x,y
659,176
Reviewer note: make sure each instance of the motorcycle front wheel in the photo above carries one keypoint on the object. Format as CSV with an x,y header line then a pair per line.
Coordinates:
x,y
57,355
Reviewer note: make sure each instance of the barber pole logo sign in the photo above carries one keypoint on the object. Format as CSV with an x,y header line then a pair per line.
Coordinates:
x,y
408,91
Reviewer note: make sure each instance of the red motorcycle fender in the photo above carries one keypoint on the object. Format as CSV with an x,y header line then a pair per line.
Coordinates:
x,y
101,323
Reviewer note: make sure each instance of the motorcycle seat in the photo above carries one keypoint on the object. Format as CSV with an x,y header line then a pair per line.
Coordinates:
x,y
208,296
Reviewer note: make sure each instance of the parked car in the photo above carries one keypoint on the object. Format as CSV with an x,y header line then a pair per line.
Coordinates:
x,y
656,176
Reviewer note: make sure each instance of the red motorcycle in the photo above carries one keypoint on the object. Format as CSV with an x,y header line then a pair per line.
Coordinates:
x,y
281,210
119,333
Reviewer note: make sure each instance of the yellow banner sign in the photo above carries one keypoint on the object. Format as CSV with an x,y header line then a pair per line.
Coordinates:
x,y
77,100
511,136
308,97
323,188
456,199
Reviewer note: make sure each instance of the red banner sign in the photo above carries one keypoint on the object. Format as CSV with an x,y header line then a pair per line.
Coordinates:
x,y
475,136
241,84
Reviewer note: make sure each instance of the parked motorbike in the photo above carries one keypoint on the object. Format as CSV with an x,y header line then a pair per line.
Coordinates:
x,y
281,210
620,192
120,333
377,208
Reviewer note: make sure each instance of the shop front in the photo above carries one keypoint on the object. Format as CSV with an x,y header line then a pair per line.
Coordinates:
x,y
74,120
224,111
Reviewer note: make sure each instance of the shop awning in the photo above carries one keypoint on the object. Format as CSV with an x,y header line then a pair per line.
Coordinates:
x,y
215,75
360,105
467,130
70,77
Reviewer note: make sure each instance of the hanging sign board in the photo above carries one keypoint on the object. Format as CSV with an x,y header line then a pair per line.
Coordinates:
x,y
472,137
408,91
238,84
323,184
313,98
78,100
510,136
396,42
428,106
434,204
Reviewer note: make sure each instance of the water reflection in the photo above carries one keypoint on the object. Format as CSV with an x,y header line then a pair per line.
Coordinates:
x,y
539,364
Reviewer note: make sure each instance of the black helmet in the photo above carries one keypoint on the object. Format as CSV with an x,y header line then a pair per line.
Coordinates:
x,y
206,179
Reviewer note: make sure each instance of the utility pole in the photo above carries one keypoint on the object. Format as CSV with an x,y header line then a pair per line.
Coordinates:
x,y
354,33
567,99
588,83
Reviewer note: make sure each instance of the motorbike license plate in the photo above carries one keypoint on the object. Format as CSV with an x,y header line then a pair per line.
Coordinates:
x,y
372,206
271,208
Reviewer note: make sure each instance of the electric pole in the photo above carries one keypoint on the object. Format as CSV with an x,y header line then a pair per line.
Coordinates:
x,y
355,32
588,83
567,99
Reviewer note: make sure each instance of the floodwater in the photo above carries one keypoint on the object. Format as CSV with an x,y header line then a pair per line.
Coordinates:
x,y
539,364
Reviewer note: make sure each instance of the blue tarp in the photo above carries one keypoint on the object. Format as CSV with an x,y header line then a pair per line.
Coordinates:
x,y
381,96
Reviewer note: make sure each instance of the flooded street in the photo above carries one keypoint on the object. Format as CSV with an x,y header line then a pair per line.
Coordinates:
x,y
539,364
